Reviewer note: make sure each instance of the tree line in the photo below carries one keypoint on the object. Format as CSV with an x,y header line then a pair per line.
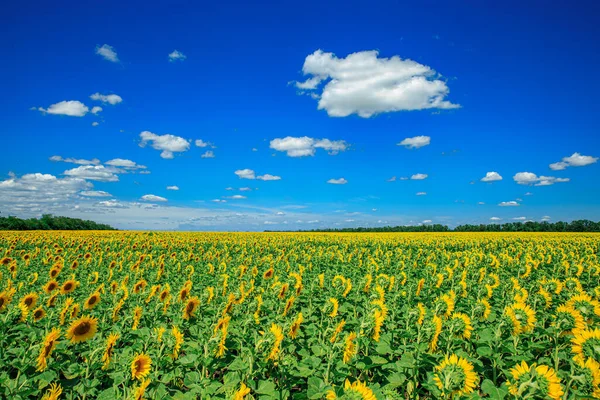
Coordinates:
x,y
50,222
583,225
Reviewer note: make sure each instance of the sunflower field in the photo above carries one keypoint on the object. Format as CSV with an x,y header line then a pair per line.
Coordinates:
x,y
132,315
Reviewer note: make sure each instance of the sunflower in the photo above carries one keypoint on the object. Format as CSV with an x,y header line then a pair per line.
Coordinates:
x,y
164,295
486,309
38,314
288,305
295,328
534,381
178,341
183,293
141,285
335,304
463,324
591,378
47,348
139,391
53,393
140,366
419,287
568,319
55,271
522,317
437,325
69,286
50,286
350,348
586,345
379,319
278,336
5,300
52,300
268,273
108,351
585,304
422,311
361,388
190,307
242,392
75,311
92,301
29,300
455,376
82,329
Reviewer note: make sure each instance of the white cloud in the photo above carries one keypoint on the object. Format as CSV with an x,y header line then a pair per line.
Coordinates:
x,y
202,143
245,189
306,146
419,177
124,163
236,197
509,204
481,203
95,193
421,193
208,154
364,84
111,99
392,179
26,192
574,160
176,55
520,218
93,173
415,142
152,197
340,181
173,187
546,218
95,123
491,177
268,177
528,194
71,108
495,219
96,110
167,143
529,178
250,174
80,161
107,52
219,201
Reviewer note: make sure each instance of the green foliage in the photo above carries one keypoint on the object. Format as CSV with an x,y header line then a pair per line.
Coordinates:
x,y
50,222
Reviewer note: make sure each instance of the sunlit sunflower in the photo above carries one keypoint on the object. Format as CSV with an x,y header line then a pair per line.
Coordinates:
x,y
82,329
109,349
585,304
138,393
51,286
590,385
534,382
568,319
455,376
522,317
268,273
242,392
463,324
164,295
278,338
190,307
54,271
178,336
38,314
69,286
295,328
5,300
139,286
47,348
92,301
350,347
337,331
335,305
29,300
137,316
140,366
361,388
484,308
53,393
586,345
437,326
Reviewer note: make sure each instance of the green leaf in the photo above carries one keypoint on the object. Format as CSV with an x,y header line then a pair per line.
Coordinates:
x,y
492,391
406,361
484,351
396,379
266,387
238,365
316,388
108,394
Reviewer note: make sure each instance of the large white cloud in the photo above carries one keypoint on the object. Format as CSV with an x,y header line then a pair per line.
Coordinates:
x,y
491,177
71,108
574,160
30,189
107,98
364,84
529,178
93,173
415,142
167,143
306,146
107,52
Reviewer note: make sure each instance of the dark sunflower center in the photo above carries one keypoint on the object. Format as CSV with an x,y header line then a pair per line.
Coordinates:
x,y
190,308
38,314
82,328
68,286
28,301
138,366
51,286
48,348
1,301
163,295
92,300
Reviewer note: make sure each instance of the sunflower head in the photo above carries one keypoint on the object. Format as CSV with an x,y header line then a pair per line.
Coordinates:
x,y
69,286
455,376
29,300
534,381
140,366
38,314
82,329
92,301
586,345
50,286
190,307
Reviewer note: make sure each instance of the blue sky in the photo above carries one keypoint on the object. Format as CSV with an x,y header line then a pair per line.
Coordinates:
x,y
308,93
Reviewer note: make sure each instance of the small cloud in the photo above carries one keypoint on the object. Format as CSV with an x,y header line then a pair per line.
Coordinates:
x,y
495,219
419,177
71,108
491,177
340,181
427,221
245,189
254,149
167,143
95,123
509,204
107,52
574,160
201,143
236,197
245,173
529,178
268,177
306,146
208,154
546,218
93,173
520,218
111,99
96,110
173,187
415,142
392,179
176,55
421,193
95,193
481,203
528,194
219,201
152,197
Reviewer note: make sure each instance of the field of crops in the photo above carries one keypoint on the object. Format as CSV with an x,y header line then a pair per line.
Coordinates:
x,y
320,316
